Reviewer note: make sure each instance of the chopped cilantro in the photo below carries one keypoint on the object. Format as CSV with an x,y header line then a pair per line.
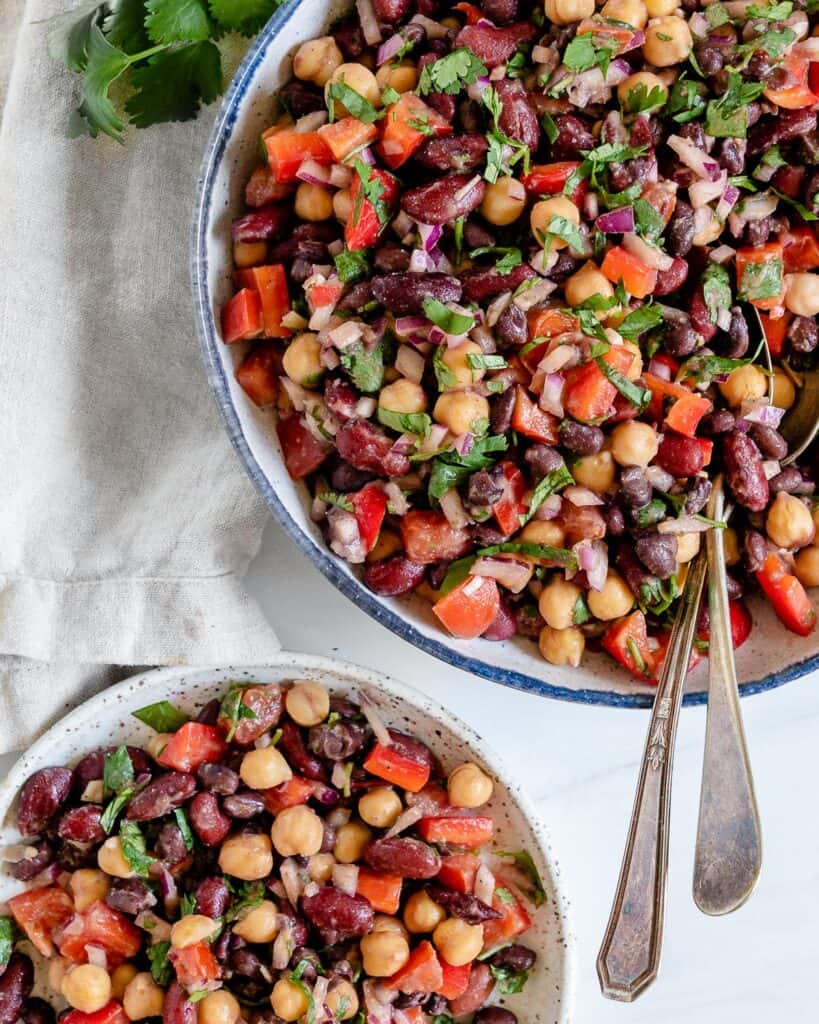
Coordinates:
x,y
422,125
549,127
372,189
161,970
523,861
727,117
390,96
457,572
510,256
113,810
634,393
248,896
509,982
117,771
716,290
405,422
639,98
451,73
356,105
580,612
595,160
800,208
351,265
686,100
481,361
650,514
562,556
774,42
649,223
133,848
554,481
161,717
716,15
761,280
365,367
450,323
771,158
585,52
563,228
504,152
449,469
446,378
640,320
234,709
774,12
338,500
658,595
7,934
184,828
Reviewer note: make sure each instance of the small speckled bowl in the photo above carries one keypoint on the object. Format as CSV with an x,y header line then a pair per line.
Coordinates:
x,y
106,719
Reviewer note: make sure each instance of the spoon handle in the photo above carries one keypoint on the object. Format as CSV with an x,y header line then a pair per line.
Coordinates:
x,y
728,853
629,957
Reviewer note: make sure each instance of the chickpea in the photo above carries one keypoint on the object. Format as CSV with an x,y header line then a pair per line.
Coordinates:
x,y
249,254
542,213
595,471
288,1000
613,601
422,914
316,60
459,411
307,703
802,295
456,359
87,886
157,743
297,832
247,857
469,786
586,282
816,517
264,768
634,443
784,393
320,867
806,565
661,8
342,204
380,807
564,12
220,1007
360,80
112,860
632,12
745,382
557,602
543,531
388,543
313,202
403,396
403,78
388,923
142,997
342,1000
190,929
302,360
668,41
648,80
57,970
458,942
121,977
504,201
351,841
261,924
789,523
383,953
561,646
688,544
87,988
730,546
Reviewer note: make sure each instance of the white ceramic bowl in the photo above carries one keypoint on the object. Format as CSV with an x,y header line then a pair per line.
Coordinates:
x,y
771,656
106,719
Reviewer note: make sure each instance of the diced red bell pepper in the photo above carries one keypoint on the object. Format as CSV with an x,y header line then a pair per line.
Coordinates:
x,y
776,331
242,317
192,745
511,505
741,624
421,973
665,388
458,871
514,919
472,13
406,124
270,282
472,831
195,965
346,135
102,926
588,394
531,421
659,657
607,31
550,180
292,793
303,452
798,94
365,224
323,293
456,980
626,640
685,414
369,509
638,279
383,891
41,913
752,257
469,609
428,537
395,766
801,250
259,373
707,449
286,151
111,1013
547,323
787,595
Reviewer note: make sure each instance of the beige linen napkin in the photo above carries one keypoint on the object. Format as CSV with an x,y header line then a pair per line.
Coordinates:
x,y
126,519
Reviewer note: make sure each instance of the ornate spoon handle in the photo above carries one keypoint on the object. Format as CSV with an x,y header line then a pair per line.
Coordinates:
x,y
629,957
728,854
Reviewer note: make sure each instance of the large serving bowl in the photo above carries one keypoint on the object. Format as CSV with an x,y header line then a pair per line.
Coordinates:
x,y
106,720
770,657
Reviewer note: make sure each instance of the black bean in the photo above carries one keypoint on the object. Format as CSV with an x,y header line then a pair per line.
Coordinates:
x,y
697,495
130,896
709,57
658,553
754,551
511,328
732,155
391,258
581,438
485,487
738,335
788,480
216,778
209,713
615,523
243,805
515,958
635,489
721,421
37,1011
542,460
680,338
170,845
300,98
768,440
336,742
680,232
803,334
501,409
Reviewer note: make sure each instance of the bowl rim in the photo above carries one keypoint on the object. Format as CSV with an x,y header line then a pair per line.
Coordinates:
x,y
156,683
349,585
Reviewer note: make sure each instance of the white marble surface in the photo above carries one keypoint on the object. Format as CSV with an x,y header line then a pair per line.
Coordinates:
x,y
753,967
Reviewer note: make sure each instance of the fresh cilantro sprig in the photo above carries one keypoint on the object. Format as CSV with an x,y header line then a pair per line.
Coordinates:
x,y
449,321
451,73
585,52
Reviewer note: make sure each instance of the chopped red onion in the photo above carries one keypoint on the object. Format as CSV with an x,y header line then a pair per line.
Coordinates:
x,y
433,29
291,879
534,295
310,122
405,444
593,559
542,261
477,88
659,479
727,201
484,888
559,357
724,318
406,820
312,172
659,369
97,956
463,443
616,222
551,395
369,21
588,87
283,946
453,509
771,468
699,162
702,192
759,206
698,24
405,326
299,396
340,176
758,410
434,439
651,255
722,254
346,334
388,49
637,39
591,205
582,497
511,573
703,215
396,498
496,307
550,508
379,1010
374,719
430,235
339,815
410,363
345,878
367,156
404,226
320,990
683,524
421,262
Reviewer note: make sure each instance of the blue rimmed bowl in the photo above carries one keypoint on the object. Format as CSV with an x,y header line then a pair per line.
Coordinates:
x,y
772,656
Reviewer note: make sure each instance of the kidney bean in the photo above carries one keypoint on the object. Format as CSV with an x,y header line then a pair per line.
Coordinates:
x,y
170,846
504,626
500,11
530,621
43,794
458,904
37,1011
393,576
298,756
484,283
262,224
207,820
212,897
771,444
670,280
267,703
738,336
721,421
71,856
340,398
573,135
391,258
635,489
679,455
494,1015
243,805
744,473
754,551
700,317
130,896
803,334
301,98
697,495
82,824
307,242
492,45
511,329
581,523
680,339
390,10
480,986
345,477
518,119
542,459
486,486
177,1009
515,958
679,236
457,153
443,200
247,964
29,867
789,124
788,480
404,294
160,796
477,234
330,908
349,36
633,571
367,448
357,298
336,742
216,778
262,188
658,553
16,984
408,858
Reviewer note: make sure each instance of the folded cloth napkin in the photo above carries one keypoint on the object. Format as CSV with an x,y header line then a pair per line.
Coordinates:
x,y
126,519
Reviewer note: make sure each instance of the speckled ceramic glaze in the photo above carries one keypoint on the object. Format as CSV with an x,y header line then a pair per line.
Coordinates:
x,y
106,719
770,657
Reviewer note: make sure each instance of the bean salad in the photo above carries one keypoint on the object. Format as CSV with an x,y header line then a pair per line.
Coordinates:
x,y
508,272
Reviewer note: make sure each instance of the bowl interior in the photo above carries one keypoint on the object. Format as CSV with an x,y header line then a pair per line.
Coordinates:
x,y
770,657
106,719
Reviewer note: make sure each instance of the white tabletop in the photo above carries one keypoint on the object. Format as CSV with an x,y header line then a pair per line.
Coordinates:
x,y
756,966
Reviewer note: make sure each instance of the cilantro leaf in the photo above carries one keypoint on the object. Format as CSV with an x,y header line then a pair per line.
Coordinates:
x,y
7,935
686,100
161,717
727,117
523,861
580,612
563,228
177,21
338,500
703,368
247,17
649,223
634,393
117,771
449,322
716,290
771,158
561,556
509,982
249,896
774,42
585,52
504,152
510,256
800,208
761,280
366,369
717,15
171,86
449,469
372,189
457,572
70,36
481,361
357,105
184,827
351,265
776,12
451,73
112,811
640,320
446,378
639,98
234,709
161,970
549,126
405,422
124,26
133,848
554,481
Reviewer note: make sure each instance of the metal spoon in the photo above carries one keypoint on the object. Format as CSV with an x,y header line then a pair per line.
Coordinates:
x,y
800,424
629,958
